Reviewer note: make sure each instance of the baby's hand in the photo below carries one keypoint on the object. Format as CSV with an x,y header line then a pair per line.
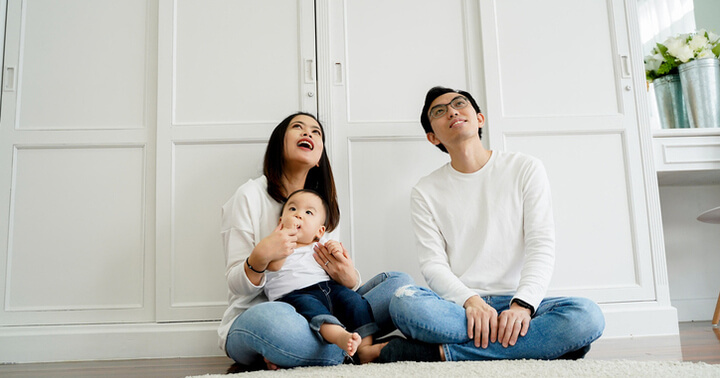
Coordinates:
x,y
334,247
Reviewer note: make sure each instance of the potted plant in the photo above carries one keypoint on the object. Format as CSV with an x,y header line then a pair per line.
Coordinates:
x,y
685,72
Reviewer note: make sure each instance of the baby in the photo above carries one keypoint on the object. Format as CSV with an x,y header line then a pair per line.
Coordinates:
x,y
301,282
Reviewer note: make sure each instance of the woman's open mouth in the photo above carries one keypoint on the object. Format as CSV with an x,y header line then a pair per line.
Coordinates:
x,y
306,143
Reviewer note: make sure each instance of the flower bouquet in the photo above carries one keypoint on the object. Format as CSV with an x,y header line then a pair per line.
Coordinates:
x,y
666,57
685,72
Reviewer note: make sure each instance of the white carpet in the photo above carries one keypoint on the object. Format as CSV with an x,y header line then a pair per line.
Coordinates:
x,y
522,368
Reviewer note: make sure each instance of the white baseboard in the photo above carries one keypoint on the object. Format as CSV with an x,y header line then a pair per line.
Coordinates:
x,y
639,319
24,344
108,342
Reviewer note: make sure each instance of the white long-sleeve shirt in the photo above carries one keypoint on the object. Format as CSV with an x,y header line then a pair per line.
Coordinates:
x,y
247,217
490,232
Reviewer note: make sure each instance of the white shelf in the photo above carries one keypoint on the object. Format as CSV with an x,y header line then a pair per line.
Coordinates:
x,y
670,133
687,156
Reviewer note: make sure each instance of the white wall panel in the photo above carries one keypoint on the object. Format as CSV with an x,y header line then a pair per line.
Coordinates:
x,y
228,71
77,230
205,177
90,72
394,57
382,173
241,61
564,65
595,242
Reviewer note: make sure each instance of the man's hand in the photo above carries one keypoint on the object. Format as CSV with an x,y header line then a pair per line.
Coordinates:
x,y
482,321
512,323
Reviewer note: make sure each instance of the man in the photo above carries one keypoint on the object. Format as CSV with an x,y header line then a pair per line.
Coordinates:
x,y
485,239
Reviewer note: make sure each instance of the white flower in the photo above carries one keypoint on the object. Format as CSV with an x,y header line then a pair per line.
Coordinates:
x,y
683,53
698,42
653,62
705,53
674,43
713,38
678,48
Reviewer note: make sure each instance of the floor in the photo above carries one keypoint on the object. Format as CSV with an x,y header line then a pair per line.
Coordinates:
x,y
697,342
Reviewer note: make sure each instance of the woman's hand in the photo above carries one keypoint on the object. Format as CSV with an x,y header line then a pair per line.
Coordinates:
x,y
482,321
333,257
512,323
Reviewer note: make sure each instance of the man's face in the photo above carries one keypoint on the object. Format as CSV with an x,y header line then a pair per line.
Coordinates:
x,y
453,119
305,212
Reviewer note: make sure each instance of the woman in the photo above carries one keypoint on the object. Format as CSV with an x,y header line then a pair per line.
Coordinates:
x,y
253,329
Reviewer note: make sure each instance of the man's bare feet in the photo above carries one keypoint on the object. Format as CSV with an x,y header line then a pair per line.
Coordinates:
x,y
368,353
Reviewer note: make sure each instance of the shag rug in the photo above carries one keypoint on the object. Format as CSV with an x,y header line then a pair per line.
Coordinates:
x,y
517,368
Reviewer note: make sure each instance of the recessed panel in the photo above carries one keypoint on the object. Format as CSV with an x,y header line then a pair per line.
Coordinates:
x,y
383,172
539,80
77,234
205,177
594,235
238,61
397,54
83,65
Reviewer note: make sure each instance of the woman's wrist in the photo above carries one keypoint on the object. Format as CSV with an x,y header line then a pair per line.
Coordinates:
x,y
255,264
247,262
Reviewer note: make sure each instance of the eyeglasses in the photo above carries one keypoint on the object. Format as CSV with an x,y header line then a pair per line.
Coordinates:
x,y
439,110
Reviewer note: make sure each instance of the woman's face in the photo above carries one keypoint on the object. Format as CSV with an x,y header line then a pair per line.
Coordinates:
x,y
303,141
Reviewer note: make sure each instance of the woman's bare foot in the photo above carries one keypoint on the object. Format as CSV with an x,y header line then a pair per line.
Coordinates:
x,y
270,365
368,353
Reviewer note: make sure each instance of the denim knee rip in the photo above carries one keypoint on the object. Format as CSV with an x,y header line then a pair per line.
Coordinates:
x,y
405,291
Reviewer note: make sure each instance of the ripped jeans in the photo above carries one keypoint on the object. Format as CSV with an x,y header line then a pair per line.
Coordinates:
x,y
559,325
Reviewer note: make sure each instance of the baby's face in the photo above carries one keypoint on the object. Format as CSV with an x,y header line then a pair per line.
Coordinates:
x,y
306,213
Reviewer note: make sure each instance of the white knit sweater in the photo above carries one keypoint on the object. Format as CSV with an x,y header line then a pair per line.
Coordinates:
x,y
490,232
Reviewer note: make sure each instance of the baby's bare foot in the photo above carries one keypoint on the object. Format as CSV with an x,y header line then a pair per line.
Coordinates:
x,y
353,341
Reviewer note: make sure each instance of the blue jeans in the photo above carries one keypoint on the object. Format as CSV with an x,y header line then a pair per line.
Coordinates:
x,y
333,303
274,330
559,325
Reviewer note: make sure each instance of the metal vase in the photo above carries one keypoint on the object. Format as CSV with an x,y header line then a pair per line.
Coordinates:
x,y
700,81
669,96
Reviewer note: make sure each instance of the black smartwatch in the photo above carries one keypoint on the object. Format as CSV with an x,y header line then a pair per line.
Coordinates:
x,y
524,304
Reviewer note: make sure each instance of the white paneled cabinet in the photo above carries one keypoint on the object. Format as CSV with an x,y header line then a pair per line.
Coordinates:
x,y
77,163
126,128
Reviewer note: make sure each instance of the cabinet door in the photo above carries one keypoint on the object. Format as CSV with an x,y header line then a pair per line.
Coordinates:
x,y
229,72
583,124
77,162
373,82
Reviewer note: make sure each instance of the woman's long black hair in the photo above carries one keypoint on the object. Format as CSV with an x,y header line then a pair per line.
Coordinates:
x,y
319,179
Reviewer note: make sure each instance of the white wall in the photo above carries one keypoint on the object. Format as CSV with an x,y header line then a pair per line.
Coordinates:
x,y
707,15
692,249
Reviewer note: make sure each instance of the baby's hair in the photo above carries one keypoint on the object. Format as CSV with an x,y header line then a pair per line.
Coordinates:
x,y
326,207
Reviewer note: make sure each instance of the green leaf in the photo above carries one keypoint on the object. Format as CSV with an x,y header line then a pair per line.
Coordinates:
x,y
716,50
